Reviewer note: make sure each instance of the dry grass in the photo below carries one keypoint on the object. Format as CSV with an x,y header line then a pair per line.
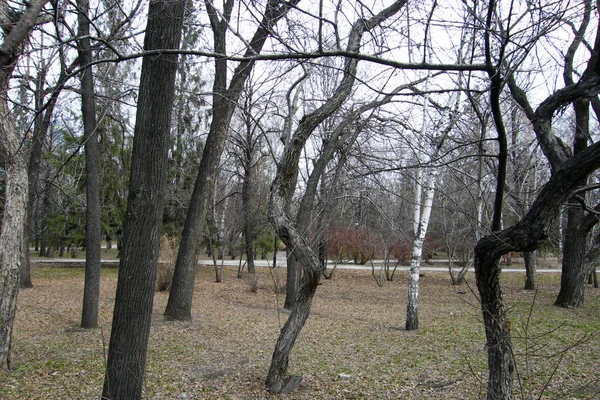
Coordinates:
x,y
355,329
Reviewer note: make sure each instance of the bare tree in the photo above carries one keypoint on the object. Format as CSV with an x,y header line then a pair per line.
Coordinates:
x,y
137,269
528,233
93,232
16,27
277,379
224,102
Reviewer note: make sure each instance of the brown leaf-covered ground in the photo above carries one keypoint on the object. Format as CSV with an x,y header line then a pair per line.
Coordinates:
x,y
352,347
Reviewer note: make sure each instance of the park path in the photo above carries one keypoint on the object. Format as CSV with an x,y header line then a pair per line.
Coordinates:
x,y
442,265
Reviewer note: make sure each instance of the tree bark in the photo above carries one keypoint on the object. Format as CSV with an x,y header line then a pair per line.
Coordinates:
x,y
13,157
11,240
292,282
93,229
247,201
497,326
530,260
126,361
286,229
179,305
574,271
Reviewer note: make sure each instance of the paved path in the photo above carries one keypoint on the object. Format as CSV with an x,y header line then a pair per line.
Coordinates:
x,y
281,263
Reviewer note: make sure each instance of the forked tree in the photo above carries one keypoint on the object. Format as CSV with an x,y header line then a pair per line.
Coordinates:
x,y
287,171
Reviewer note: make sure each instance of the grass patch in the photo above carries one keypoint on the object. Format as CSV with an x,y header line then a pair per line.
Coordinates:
x,y
355,329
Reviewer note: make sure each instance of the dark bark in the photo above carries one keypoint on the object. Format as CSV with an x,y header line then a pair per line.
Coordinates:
x,y
530,260
126,361
574,272
179,305
292,281
247,196
93,229
287,230
526,235
497,326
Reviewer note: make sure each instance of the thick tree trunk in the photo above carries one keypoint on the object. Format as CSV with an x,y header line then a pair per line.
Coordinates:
x,y
530,260
277,379
292,282
13,158
11,240
126,361
574,271
497,326
93,229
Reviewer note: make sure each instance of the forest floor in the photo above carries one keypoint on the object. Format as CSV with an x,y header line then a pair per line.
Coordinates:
x,y
352,347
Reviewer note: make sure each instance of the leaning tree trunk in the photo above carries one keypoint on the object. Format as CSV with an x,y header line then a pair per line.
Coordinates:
x,y
287,171
93,229
179,305
126,361
530,260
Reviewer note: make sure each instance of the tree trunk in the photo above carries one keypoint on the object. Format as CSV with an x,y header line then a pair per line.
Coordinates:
x,y
422,213
11,240
292,282
497,326
179,305
530,259
248,213
93,229
288,231
126,361
13,158
277,379
574,271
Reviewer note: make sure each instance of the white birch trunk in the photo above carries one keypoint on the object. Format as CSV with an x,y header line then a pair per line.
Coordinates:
x,y
421,224
423,203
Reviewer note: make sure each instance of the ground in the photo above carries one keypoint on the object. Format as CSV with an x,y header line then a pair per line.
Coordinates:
x,y
352,347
